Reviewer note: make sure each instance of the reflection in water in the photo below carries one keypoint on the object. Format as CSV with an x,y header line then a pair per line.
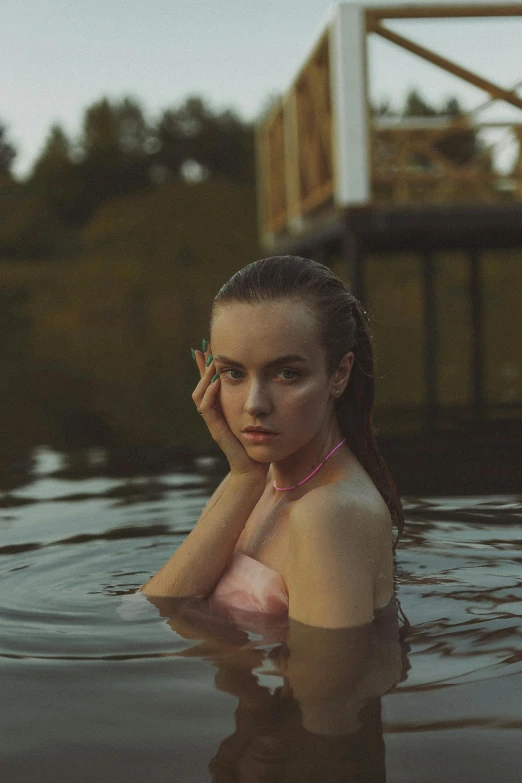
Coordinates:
x,y
122,689
324,721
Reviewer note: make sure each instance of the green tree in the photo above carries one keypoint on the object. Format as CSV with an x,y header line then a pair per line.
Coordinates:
x,y
462,145
55,178
416,106
114,154
117,154
29,229
219,142
7,152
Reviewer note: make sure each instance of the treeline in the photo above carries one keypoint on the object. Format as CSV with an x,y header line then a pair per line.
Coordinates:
x,y
120,153
117,153
121,238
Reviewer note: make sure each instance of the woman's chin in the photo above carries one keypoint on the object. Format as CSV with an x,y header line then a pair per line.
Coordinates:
x,y
260,452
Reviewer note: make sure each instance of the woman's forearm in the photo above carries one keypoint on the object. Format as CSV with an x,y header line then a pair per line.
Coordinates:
x,y
197,564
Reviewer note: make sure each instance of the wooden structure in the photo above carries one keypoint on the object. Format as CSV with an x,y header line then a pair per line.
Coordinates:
x,y
319,148
383,202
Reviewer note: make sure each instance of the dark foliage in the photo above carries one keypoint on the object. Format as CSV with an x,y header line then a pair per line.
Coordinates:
x,y
7,152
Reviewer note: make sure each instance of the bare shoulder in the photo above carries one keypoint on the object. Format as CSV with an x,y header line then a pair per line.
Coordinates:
x,y
338,542
337,512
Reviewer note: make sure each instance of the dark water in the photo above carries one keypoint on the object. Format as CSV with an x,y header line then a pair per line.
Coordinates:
x,y
98,684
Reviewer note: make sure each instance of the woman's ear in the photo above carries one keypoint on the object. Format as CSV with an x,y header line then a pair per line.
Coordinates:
x,y
341,376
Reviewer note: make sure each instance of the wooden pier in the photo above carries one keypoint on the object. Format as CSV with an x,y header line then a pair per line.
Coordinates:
x,y
431,244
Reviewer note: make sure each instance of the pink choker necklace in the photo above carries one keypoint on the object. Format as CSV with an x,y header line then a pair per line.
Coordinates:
x,y
286,489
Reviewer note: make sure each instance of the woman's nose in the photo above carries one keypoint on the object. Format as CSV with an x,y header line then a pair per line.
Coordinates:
x,y
257,400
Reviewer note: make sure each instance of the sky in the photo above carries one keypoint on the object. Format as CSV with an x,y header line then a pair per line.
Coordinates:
x,y
58,57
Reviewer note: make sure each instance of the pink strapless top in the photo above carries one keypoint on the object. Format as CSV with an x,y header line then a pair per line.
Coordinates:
x,y
250,586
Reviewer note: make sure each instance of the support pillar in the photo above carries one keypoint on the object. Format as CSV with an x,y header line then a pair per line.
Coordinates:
x,y
354,254
430,339
477,355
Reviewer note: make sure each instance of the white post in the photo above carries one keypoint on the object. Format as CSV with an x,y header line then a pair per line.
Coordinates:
x,y
351,143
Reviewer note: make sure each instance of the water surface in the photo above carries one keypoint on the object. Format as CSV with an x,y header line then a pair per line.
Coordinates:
x,y
100,685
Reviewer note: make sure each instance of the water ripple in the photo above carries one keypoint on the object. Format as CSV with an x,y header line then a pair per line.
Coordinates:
x,y
71,558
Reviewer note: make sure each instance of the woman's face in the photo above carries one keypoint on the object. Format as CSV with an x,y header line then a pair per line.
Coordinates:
x,y
273,374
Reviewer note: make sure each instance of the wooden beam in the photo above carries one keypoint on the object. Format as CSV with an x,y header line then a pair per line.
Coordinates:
x,y
447,65
320,91
316,51
261,187
427,178
318,196
291,158
442,11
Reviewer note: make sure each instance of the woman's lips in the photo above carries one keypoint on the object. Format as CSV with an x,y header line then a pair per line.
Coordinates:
x,y
259,437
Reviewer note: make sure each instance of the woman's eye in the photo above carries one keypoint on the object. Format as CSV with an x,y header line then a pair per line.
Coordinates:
x,y
227,370
290,374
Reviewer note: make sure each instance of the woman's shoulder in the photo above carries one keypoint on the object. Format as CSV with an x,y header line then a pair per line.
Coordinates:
x,y
342,499
339,510
338,542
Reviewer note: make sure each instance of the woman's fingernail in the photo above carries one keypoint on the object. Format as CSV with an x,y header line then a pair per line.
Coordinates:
x,y
204,345
209,360
216,376
193,352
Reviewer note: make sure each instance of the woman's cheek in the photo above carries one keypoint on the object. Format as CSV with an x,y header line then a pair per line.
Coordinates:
x,y
297,410
308,398
230,404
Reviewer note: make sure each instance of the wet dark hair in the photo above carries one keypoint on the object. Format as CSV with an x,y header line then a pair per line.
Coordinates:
x,y
343,327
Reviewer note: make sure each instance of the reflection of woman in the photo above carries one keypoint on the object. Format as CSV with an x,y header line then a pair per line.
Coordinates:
x,y
302,524
324,723
322,720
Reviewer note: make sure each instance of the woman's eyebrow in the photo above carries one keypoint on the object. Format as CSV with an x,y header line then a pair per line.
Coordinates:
x,y
286,359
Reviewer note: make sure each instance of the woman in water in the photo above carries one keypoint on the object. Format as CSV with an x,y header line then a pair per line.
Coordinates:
x,y
302,524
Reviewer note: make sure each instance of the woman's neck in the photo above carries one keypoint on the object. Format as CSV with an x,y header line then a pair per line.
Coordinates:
x,y
301,463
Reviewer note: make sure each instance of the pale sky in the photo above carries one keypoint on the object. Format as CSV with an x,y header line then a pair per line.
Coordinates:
x,y
59,56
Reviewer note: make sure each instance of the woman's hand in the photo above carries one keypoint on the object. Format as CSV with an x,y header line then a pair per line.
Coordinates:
x,y
206,397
